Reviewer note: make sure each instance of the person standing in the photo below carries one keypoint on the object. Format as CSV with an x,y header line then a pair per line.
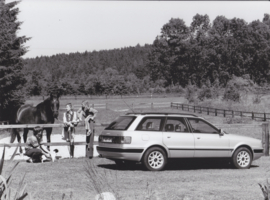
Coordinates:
x,y
89,114
70,120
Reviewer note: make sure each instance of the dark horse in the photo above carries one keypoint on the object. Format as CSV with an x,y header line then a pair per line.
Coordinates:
x,y
43,113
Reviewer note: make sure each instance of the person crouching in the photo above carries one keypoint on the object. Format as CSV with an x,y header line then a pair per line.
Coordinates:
x,y
34,149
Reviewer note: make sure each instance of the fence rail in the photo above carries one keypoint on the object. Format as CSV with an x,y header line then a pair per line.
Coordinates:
x,y
220,112
46,144
8,126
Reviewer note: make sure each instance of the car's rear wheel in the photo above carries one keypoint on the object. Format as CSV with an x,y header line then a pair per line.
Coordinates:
x,y
242,158
155,159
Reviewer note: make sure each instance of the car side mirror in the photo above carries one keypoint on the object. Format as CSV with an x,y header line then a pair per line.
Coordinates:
x,y
220,131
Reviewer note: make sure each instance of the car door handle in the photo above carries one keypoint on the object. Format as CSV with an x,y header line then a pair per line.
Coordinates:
x,y
168,136
198,138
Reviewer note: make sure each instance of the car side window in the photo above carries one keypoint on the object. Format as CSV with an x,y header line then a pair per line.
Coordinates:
x,y
201,126
175,124
150,124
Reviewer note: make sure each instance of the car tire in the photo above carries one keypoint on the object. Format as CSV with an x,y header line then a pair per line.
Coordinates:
x,y
155,159
242,158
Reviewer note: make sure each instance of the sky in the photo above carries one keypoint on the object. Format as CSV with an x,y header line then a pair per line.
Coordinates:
x,y
62,26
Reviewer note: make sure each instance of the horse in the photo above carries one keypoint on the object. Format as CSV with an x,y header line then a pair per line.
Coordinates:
x,y
43,113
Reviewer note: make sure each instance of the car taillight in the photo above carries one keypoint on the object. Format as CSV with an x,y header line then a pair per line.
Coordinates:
x,y
115,139
125,140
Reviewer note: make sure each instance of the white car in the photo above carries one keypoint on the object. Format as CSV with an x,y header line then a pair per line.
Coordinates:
x,y
153,138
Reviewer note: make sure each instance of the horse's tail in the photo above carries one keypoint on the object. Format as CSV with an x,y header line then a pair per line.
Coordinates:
x,y
13,135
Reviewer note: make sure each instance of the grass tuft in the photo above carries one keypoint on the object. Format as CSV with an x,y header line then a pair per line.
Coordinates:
x,y
5,189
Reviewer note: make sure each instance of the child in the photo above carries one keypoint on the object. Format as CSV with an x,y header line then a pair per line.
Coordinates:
x,y
34,149
89,115
70,120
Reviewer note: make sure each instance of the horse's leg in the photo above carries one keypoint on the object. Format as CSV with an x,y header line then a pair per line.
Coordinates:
x,y
25,133
48,133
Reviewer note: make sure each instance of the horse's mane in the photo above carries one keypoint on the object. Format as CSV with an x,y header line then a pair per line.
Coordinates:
x,y
46,101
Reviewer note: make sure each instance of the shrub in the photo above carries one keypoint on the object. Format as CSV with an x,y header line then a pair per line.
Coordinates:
x,y
205,93
190,93
159,90
257,99
231,93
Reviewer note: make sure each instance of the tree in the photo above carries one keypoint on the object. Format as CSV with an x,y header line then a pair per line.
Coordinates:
x,y
11,51
168,57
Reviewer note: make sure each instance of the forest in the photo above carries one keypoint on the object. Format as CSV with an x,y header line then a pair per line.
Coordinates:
x,y
201,53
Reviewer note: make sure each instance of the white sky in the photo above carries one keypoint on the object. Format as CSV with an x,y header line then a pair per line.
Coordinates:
x,y
78,26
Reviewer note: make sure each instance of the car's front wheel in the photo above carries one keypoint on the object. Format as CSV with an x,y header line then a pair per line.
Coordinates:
x,y
242,158
155,159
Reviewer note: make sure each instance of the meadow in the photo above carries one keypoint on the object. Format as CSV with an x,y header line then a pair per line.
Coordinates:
x,y
81,178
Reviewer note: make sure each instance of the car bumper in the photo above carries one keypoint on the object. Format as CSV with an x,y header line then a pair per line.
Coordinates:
x,y
258,153
119,153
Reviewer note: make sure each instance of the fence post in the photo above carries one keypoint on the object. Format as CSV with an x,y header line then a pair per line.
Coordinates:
x,y
232,114
152,106
252,116
224,114
207,111
188,107
265,138
93,105
200,109
106,106
215,112
264,116
182,107
132,106
194,108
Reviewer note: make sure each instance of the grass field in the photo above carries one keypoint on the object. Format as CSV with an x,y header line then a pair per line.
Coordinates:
x,y
185,180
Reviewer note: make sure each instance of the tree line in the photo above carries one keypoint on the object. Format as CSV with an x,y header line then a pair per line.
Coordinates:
x,y
179,56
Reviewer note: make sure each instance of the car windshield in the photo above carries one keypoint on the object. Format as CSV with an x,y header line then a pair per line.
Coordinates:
x,y
121,123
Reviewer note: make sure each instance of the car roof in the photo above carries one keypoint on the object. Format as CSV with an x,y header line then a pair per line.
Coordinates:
x,y
162,113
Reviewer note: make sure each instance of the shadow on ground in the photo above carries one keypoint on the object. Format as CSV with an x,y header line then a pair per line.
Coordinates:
x,y
181,164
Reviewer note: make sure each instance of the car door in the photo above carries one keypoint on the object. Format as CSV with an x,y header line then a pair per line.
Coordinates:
x,y
208,141
178,138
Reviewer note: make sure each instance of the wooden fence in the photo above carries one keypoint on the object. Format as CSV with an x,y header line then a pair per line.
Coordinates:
x,y
220,112
10,126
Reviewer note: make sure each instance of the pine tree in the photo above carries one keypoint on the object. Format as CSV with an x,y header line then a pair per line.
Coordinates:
x,y
11,51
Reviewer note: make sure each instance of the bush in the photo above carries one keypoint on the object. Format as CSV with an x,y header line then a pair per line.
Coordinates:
x,y
190,93
205,93
231,93
159,90
257,99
